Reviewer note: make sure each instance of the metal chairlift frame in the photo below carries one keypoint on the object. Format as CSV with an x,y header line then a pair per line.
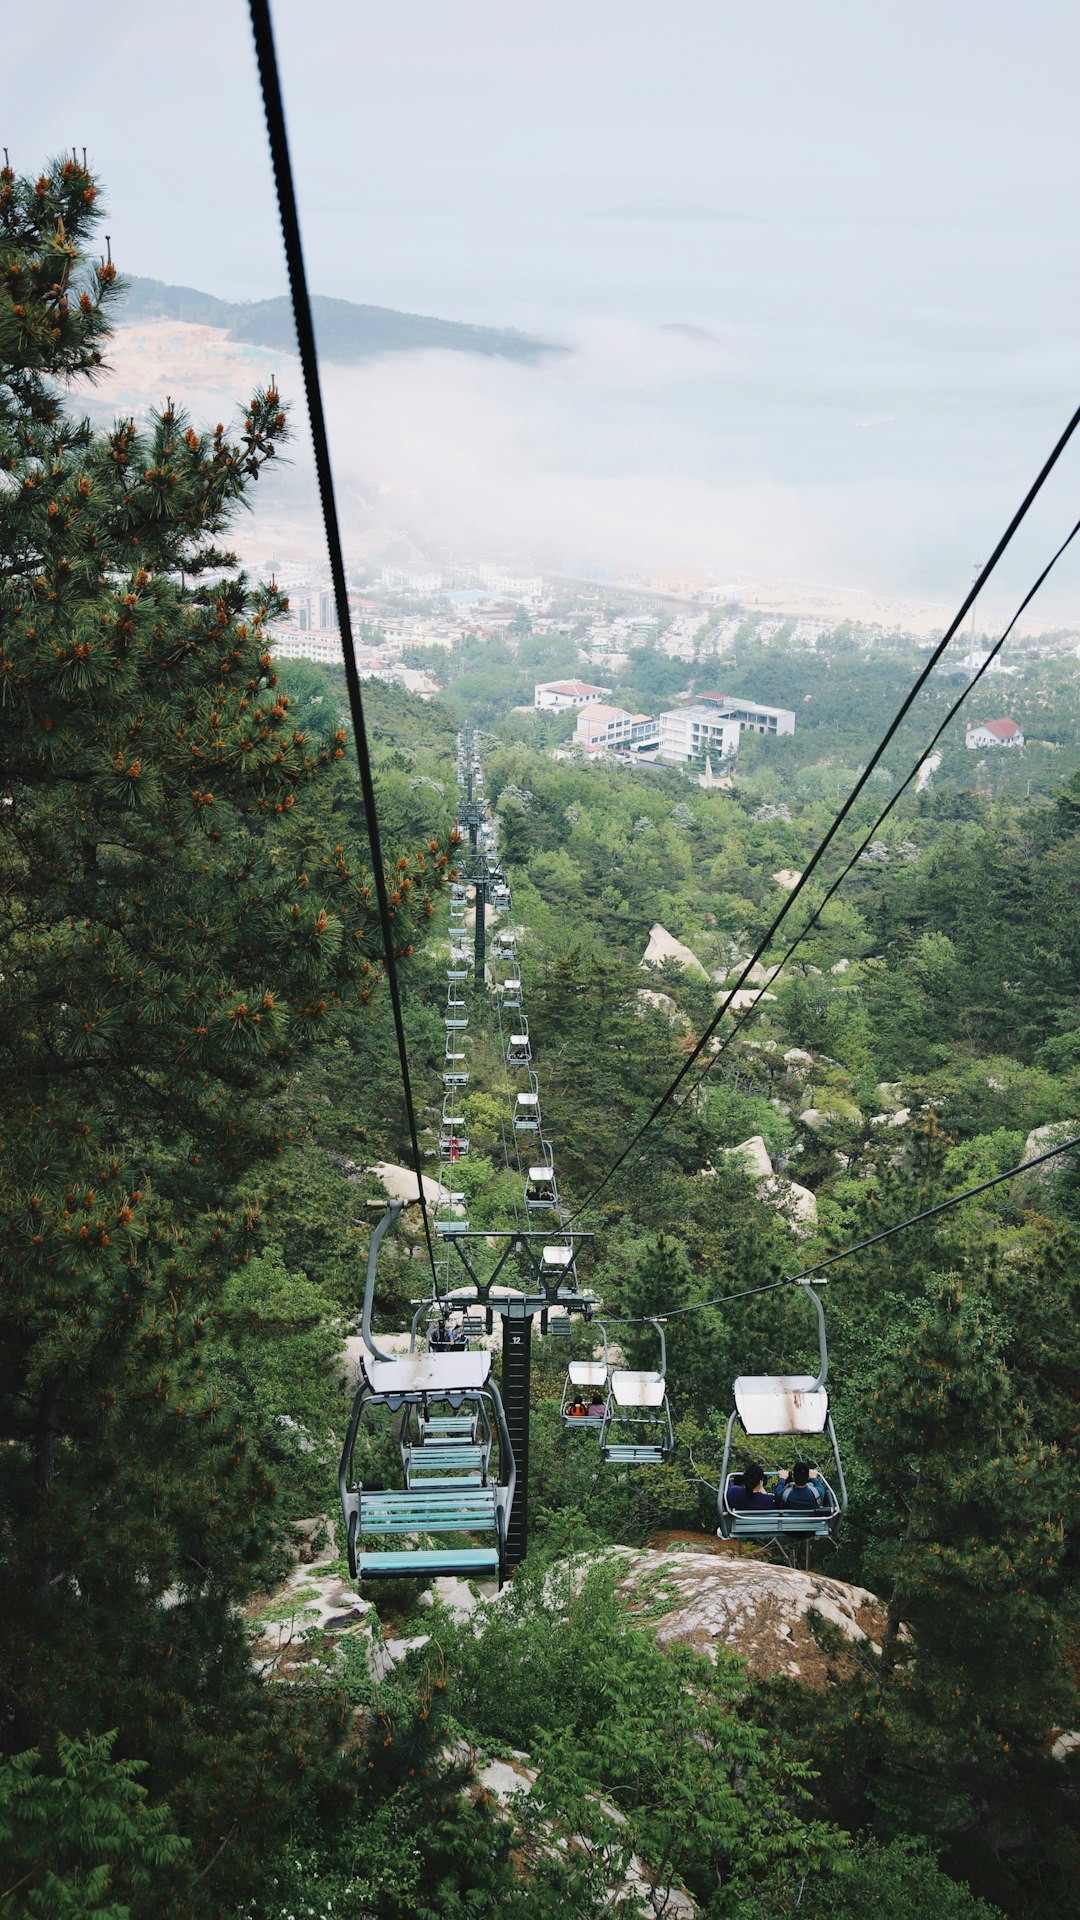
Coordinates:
x,y
793,1412
441,1509
537,1176
652,1415
523,1059
531,1125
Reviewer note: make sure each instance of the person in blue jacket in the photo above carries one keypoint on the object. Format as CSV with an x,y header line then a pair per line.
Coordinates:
x,y
803,1488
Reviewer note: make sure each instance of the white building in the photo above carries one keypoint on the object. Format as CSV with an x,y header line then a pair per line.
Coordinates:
x,y
750,713
687,732
528,587
400,580
558,696
324,648
994,733
600,728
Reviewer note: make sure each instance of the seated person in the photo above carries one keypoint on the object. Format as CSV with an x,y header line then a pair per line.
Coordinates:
x,y
440,1338
803,1488
596,1407
748,1493
577,1408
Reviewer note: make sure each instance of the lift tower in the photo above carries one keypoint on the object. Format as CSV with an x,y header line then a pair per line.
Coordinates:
x,y
543,1287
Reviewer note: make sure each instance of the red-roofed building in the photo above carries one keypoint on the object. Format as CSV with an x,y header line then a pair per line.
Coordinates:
x,y
556,696
994,733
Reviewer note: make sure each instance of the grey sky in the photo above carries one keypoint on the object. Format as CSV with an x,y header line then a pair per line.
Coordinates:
x,y
871,208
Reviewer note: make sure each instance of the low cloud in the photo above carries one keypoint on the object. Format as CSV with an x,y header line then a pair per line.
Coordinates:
x,y
643,448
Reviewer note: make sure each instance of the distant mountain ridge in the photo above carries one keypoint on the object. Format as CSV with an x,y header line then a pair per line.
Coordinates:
x,y
346,331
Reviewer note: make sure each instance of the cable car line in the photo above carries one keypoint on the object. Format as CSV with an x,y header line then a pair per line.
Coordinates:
x,y
455,1494
808,1273
890,733
274,110
872,832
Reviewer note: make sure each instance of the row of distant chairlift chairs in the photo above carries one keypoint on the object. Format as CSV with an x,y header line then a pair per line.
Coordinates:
x,y
448,1408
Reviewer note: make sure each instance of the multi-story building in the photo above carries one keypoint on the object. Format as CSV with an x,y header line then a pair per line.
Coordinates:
x,y
558,696
688,732
714,725
599,728
750,714
324,648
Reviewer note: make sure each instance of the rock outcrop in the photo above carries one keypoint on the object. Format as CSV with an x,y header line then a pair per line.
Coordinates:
x,y
755,1154
744,997
761,1611
664,946
797,1202
401,1184
1040,1138
663,1001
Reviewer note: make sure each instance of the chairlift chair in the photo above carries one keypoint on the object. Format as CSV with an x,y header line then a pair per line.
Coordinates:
x,y
771,1406
637,1403
586,1380
405,1517
453,1137
557,1266
448,1215
541,1192
455,1073
518,1050
526,1116
509,992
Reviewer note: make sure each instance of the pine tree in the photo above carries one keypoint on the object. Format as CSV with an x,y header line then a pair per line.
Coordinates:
x,y
959,1736
170,946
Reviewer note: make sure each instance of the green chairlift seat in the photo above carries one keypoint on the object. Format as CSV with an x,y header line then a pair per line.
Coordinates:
x,y
459,1382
